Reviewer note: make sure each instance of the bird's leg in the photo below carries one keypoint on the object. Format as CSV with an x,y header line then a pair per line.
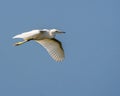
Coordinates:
x,y
20,43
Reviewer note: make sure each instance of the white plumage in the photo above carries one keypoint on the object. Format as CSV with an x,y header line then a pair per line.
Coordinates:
x,y
27,34
47,39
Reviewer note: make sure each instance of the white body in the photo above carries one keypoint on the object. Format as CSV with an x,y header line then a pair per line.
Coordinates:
x,y
35,34
47,39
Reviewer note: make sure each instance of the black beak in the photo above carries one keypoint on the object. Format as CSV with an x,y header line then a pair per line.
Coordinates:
x,y
61,32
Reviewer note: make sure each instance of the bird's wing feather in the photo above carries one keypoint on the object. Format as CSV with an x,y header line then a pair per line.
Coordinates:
x,y
53,47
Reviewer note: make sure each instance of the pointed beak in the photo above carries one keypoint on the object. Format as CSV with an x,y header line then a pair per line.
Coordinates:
x,y
61,32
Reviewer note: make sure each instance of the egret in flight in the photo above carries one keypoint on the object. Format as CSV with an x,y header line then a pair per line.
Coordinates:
x,y
47,39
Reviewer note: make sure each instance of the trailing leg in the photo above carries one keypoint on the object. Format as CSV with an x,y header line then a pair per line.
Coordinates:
x,y
20,43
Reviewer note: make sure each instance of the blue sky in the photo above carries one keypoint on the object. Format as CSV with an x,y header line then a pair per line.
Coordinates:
x,y
91,44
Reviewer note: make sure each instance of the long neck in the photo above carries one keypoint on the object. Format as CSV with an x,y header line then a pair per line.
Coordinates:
x,y
52,35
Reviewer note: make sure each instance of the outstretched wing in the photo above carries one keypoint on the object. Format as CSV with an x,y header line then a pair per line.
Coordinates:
x,y
53,47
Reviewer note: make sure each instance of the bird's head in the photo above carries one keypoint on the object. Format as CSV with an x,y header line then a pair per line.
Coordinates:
x,y
56,31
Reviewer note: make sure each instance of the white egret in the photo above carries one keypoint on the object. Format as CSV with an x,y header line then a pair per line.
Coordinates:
x,y
47,39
